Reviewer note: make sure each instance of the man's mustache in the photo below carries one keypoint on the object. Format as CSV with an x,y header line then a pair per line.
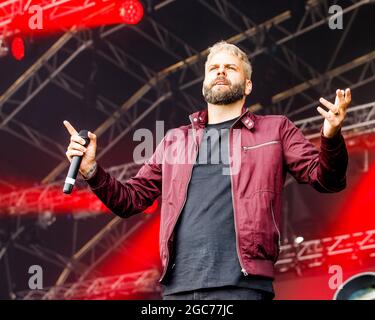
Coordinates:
x,y
220,80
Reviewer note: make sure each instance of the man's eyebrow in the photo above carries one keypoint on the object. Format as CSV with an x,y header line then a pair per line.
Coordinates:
x,y
226,65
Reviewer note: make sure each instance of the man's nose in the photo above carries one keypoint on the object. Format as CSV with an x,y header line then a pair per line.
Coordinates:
x,y
221,70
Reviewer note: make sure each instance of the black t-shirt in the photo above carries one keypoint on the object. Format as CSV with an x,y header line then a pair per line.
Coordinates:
x,y
204,253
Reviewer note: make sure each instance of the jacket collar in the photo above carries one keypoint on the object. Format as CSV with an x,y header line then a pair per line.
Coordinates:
x,y
199,119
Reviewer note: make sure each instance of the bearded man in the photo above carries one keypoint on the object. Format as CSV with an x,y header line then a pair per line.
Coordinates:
x,y
220,215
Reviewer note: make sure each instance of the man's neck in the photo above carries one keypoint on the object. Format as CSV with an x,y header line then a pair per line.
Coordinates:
x,y
221,113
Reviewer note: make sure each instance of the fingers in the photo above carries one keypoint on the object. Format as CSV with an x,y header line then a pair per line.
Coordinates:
x,y
324,113
340,95
75,149
92,136
329,105
71,153
70,128
342,100
76,146
76,138
348,96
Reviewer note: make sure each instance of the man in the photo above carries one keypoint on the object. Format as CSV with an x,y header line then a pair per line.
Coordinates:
x,y
219,229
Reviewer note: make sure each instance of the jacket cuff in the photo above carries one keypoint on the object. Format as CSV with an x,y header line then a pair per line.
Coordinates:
x,y
98,178
333,142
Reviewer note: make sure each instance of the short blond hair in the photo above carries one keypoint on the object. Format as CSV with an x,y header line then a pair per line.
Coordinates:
x,y
223,46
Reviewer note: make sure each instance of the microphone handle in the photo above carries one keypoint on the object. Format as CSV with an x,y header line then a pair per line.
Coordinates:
x,y
73,171
74,165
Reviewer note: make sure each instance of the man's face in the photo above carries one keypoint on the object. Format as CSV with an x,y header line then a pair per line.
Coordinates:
x,y
225,80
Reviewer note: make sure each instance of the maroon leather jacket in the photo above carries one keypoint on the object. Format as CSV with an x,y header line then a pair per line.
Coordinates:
x,y
263,149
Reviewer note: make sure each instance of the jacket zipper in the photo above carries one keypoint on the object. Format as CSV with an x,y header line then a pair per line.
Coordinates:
x,y
260,145
174,224
277,229
243,270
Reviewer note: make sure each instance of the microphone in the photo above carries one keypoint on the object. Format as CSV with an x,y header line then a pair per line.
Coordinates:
x,y
74,166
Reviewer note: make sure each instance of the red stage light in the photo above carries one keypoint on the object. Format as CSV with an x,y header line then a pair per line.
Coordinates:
x,y
62,15
18,48
152,208
131,11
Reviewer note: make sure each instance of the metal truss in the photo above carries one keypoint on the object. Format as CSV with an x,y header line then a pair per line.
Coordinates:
x,y
83,262
264,40
55,75
166,37
49,68
314,253
171,44
111,238
309,254
359,119
100,288
33,83
364,64
34,138
28,86
49,256
45,198
319,10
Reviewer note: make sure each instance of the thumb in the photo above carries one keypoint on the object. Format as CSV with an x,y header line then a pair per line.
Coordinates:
x,y
92,136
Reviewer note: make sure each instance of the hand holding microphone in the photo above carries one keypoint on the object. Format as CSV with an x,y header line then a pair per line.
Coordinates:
x,y
81,153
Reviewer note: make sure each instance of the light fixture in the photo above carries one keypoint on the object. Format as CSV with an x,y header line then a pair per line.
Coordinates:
x,y
359,287
18,48
131,11
46,219
298,240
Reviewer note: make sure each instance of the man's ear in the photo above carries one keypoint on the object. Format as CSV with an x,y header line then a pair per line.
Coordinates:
x,y
248,87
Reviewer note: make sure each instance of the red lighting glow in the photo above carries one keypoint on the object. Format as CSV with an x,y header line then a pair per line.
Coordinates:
x,y
140,253
18,48
357,213
32,200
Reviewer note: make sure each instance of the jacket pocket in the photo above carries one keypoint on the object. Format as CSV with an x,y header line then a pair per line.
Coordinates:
x,y
264,233
277,231
260,145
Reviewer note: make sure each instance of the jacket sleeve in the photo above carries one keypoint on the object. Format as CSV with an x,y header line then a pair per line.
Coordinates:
x,y
326,169
134,195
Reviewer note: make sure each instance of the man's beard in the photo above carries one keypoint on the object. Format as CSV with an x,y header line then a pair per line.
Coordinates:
x,y
223,97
